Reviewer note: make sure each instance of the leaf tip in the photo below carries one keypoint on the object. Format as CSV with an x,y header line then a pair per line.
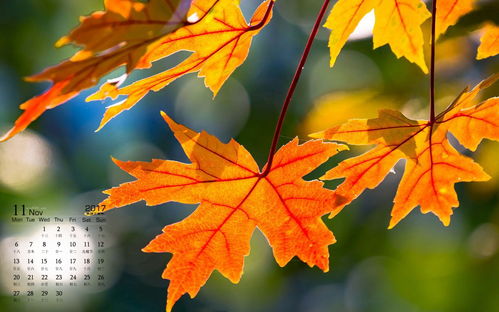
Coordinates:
x,y
93,97
147,249
342,147
445,219
118,163
424,68
166,117
332,61
101,125
215,93
393,222
174,126
62,42
6,136
169,306
32,78
334,213
489,81
171,123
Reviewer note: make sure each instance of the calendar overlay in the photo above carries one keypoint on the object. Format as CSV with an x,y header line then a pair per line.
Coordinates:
x,y
54,260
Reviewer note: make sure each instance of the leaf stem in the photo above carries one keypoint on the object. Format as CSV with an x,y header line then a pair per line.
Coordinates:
x,y
264,19
292,87
432,62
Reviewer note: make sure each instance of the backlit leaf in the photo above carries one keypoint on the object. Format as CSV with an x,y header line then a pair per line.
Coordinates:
x,y
135,34
398,23
448,13
489,43
219,45
234,199
432,165
120,35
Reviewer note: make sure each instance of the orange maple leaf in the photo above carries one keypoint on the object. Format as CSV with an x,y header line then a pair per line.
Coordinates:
x,y
489,42
219,45
135,34
398,23
448,13
234,198
432,166
120,35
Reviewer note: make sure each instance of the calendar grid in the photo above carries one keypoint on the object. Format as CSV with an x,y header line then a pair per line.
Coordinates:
x,y
57,260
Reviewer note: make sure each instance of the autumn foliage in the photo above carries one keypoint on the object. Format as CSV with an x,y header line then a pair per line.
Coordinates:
x,y
489,42
235,198
136,34
234,195
432,166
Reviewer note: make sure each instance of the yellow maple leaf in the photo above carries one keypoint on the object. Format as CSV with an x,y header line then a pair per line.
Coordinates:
x,y
432,166
135,34
398,23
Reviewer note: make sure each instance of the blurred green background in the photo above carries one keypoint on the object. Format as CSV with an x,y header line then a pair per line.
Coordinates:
x,y
60,163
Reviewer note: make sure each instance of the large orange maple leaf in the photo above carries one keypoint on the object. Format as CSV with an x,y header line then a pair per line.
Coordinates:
x,y
235,197
432,166
135,34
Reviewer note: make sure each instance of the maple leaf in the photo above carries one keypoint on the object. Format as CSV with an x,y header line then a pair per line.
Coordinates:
x,y
448,13
135,34
489,42
234,198
432,166
219,45
398,23
120,35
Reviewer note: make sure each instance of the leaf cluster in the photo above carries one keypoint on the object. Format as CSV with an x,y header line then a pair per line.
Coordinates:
x,y
234,195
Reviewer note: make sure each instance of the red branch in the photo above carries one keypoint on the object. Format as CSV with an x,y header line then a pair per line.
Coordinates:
x,y
292,87
432,62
